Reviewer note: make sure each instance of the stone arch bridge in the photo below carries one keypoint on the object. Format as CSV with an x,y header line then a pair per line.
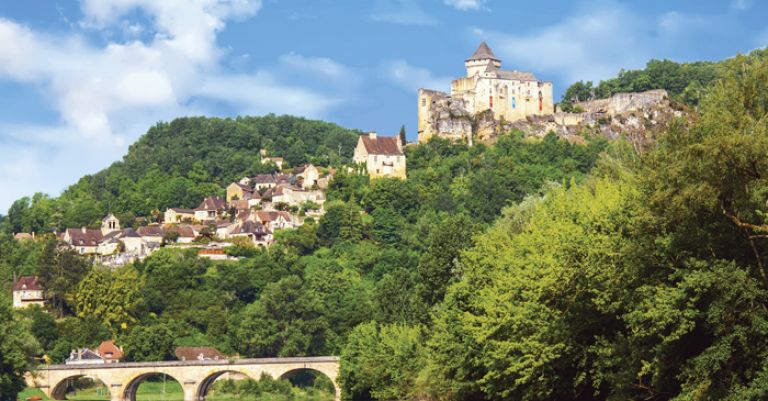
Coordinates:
x,y
195,377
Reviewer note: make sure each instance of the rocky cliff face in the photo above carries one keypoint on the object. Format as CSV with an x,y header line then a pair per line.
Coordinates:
x,y
639,116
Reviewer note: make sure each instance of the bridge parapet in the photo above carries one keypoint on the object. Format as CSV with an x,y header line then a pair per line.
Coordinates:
x,y
196,377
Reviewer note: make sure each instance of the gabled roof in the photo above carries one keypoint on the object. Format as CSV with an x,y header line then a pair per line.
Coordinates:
x,y
198,353
84,237
84,354
381,145
109,347
250,227
483,52
27,283
244,187
212,203
183,211
264,179
153,230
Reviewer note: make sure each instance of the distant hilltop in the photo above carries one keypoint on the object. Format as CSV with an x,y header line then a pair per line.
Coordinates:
x,y
490,101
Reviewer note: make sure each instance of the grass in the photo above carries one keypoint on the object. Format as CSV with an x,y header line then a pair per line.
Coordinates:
x,y
153,391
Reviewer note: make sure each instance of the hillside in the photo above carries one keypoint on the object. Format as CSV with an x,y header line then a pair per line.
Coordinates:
x,y
686,83
176,164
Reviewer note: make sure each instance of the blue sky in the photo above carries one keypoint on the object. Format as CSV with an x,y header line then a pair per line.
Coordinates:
x,y
81,80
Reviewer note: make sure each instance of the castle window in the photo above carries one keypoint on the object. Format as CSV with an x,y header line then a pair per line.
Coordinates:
x,y
490,101
514,103
424,101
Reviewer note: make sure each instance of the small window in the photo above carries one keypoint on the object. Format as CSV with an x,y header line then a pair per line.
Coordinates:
x,y
423,102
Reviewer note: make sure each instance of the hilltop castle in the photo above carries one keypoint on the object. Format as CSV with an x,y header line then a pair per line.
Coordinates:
x,y
503,94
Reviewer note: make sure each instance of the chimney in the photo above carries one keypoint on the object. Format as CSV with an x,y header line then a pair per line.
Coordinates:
x,y
372,135
83,229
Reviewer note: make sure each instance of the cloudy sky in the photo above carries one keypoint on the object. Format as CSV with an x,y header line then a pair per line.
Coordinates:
x,y
81,80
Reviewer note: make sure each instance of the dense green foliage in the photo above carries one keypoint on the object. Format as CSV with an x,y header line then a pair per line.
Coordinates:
x,y
685,82
17,347
645,282
532,269
176,164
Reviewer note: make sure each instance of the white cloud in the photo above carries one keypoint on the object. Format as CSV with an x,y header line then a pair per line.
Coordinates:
x,y
411,78
108,95
403,12
465,4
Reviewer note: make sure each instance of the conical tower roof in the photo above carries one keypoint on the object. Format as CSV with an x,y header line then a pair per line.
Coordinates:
x,y
483,52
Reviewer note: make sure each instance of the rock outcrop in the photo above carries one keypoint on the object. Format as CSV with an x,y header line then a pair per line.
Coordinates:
x,y
639,116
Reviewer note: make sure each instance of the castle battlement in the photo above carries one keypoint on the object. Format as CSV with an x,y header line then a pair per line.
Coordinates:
x,y
508,95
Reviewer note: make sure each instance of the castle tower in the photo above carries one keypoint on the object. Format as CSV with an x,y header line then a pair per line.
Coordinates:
x,y
482,60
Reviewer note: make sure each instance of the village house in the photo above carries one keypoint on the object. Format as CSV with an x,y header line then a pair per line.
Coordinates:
x,y
239,191
382,156
110,352
274,220
295,196
307,176
198,354
266,159
178,215
152,233
210,208
254,231
84,356
27,291
84,241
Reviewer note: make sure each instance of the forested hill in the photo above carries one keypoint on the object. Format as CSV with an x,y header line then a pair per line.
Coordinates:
x,y
685,82
176,164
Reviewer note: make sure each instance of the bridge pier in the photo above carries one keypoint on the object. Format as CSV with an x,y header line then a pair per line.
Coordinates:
x,y
195,377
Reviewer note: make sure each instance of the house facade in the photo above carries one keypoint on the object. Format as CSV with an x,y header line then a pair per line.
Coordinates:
x,y
382,156
27,291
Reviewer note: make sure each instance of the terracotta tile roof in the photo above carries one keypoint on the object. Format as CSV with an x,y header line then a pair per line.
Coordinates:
x,y
198,353
21,236
84,237
108,350
381,145
28,283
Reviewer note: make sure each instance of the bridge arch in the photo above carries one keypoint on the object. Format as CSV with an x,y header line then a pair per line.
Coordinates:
x,y
332,376
59,390
209,380
132,386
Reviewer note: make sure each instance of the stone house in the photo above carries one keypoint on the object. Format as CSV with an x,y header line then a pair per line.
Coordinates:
x,y
381,155
253,230
84,241
27,291
178,215
307,176
84,356
294,196
238,191
198,354
210,208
